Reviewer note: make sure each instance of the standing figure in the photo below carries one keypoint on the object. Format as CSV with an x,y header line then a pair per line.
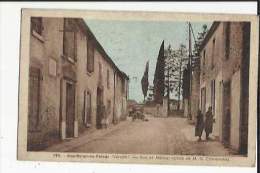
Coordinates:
x,y
209,122
199,125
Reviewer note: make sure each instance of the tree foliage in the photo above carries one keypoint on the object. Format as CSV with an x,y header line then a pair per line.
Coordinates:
x,y
144,80
159,76
175,60
200,37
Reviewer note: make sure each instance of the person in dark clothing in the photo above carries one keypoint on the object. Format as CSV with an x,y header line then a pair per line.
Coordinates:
x,y
199,125
209,122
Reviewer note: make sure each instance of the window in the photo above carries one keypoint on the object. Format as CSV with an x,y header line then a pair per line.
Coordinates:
x,y
203,62
69,40
213,53
108,107
88,109
36,25
34,99
100,71
90,56
227,39
52,67
213,95
108,79
204,57
123,85
203,99
126,91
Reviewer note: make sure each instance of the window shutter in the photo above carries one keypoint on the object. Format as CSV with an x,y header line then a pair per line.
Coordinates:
x,y
90,56
89,108
69,40
75,46
227,39
36,24
108,80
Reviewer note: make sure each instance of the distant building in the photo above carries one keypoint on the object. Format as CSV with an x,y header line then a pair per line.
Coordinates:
x,y
224,74
70,77
173,103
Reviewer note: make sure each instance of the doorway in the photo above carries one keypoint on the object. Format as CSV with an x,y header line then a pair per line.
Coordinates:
x,y
226,113
203,100
34,99
87,109
70,109
99,104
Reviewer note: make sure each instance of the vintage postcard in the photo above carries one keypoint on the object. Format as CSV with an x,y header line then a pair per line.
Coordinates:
x,y
138,87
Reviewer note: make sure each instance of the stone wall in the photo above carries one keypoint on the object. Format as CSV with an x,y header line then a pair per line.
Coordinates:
x,y
211,70
235,111
45,54
227,57
57,71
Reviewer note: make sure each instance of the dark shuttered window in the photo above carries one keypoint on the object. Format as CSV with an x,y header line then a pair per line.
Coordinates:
x,y
90,56
108,79
36,24
87,109
69,40
227,39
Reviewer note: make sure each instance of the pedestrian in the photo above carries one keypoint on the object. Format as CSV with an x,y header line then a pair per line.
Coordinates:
x,y
199,125
209,122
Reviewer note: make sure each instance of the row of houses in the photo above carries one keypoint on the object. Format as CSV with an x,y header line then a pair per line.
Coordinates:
x,y
71,77
220,79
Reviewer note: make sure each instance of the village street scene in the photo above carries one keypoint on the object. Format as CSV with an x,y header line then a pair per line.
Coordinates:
x,y
138,87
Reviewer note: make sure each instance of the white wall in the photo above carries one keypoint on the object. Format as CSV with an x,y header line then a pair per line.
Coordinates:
x,y
235,111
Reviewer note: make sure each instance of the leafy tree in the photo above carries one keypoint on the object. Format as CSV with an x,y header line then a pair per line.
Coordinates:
x,y
200,37
175,60
159,76
144,80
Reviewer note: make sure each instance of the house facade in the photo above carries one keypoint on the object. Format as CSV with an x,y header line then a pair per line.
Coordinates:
x,y
71,77
224,74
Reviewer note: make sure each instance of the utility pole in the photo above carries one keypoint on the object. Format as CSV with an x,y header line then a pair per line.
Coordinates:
x,y
190,71
168,85
179,88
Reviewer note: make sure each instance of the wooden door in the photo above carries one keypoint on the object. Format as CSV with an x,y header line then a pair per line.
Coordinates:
x,y
87,109
34,99
226,113
99,104
213,96
203,100
70,110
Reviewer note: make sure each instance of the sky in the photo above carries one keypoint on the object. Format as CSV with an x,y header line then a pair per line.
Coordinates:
x,y
131,44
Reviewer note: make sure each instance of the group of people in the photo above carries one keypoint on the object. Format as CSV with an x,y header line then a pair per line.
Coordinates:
x,y
206,125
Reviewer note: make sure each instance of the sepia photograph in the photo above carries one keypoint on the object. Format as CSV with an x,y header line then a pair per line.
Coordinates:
x,y
138,87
